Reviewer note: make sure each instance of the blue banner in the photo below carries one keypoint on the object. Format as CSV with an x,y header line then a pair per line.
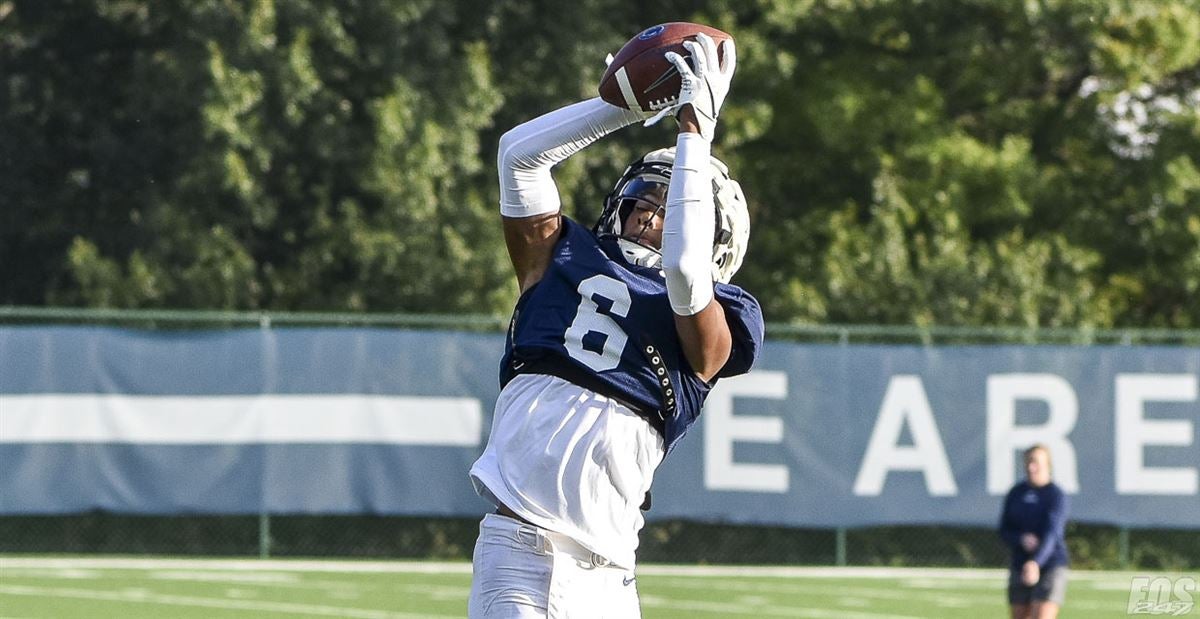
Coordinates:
x,y
388,422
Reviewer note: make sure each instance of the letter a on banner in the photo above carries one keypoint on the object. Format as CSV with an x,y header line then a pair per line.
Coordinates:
x,y
905,403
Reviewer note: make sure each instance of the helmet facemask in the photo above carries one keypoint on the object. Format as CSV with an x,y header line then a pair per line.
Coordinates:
x,y
643,187
651,174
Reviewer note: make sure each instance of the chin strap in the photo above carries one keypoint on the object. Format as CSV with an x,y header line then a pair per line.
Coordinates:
x,y
640,255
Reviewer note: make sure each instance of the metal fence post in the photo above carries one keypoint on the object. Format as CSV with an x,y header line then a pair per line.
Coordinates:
x,y
264,535
839,552
1123,547
264,517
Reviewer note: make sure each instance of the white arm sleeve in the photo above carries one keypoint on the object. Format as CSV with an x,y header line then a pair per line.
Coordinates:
x,y
689,226
529,150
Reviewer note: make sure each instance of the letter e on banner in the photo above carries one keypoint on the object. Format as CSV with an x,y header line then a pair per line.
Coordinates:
x,y
1134,433
722,428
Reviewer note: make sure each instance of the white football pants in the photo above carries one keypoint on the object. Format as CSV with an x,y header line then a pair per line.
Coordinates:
x,y
525,572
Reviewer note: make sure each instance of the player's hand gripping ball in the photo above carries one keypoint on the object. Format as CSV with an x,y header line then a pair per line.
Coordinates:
x,y
640,77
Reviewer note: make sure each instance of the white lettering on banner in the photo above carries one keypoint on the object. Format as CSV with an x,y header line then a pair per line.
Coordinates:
x,y
118,418
905,403
1134,433
1005,438
722,428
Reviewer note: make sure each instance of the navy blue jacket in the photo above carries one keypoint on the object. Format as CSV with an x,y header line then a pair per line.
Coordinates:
x,y
1041,511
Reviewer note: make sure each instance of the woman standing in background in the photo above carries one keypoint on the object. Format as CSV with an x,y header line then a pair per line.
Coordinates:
x,y
1032,524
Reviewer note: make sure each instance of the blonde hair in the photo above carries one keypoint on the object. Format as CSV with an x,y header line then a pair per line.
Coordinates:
x,y
1042,448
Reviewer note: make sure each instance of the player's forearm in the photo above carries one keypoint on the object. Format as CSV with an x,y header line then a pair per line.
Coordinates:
x,y
688,227
687,249
529,150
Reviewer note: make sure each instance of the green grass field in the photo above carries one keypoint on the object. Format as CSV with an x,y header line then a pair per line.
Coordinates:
x,y
69,587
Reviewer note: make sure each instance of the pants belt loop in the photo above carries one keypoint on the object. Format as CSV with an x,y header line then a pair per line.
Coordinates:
x,y
532,538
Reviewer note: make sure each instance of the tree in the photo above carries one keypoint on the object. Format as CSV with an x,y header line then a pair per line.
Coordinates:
x,y
964,162
284,156
961,163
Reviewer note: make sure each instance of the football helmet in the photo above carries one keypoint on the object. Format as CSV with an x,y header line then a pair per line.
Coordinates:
x,y
646,180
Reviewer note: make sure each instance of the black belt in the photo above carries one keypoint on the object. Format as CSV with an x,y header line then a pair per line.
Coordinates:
x,y
508,513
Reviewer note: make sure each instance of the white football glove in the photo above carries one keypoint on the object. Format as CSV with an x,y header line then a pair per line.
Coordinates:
x,y
705,88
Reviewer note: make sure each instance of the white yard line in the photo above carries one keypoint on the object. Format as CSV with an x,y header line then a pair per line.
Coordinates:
x,y
145,597
462,567
242,578
823,592
757,571
250,565
433,567
726,609
264,579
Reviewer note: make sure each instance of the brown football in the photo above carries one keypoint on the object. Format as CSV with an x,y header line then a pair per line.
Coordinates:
x,y
640,76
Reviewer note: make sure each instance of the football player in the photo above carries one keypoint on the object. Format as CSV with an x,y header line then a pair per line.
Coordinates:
x,y
618,336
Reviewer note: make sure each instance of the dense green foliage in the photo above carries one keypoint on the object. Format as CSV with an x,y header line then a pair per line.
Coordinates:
x,y
1007,162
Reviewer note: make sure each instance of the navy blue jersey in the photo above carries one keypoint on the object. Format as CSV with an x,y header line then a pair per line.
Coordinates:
x,y
602,323
1041,511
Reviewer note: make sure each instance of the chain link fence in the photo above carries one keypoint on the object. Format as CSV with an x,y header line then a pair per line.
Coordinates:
x,y
1092,546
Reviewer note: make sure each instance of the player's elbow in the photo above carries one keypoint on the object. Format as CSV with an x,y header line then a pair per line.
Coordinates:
x,y
708,357
705,339
689,284
507,155
526,187
514,153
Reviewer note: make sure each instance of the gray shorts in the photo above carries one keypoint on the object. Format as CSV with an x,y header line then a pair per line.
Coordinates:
x,y
1051,588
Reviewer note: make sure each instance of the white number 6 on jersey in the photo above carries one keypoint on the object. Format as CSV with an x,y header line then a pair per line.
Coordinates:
x,y
588,319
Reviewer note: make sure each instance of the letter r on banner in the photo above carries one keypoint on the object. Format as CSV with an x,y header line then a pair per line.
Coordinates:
x,y
1005,438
